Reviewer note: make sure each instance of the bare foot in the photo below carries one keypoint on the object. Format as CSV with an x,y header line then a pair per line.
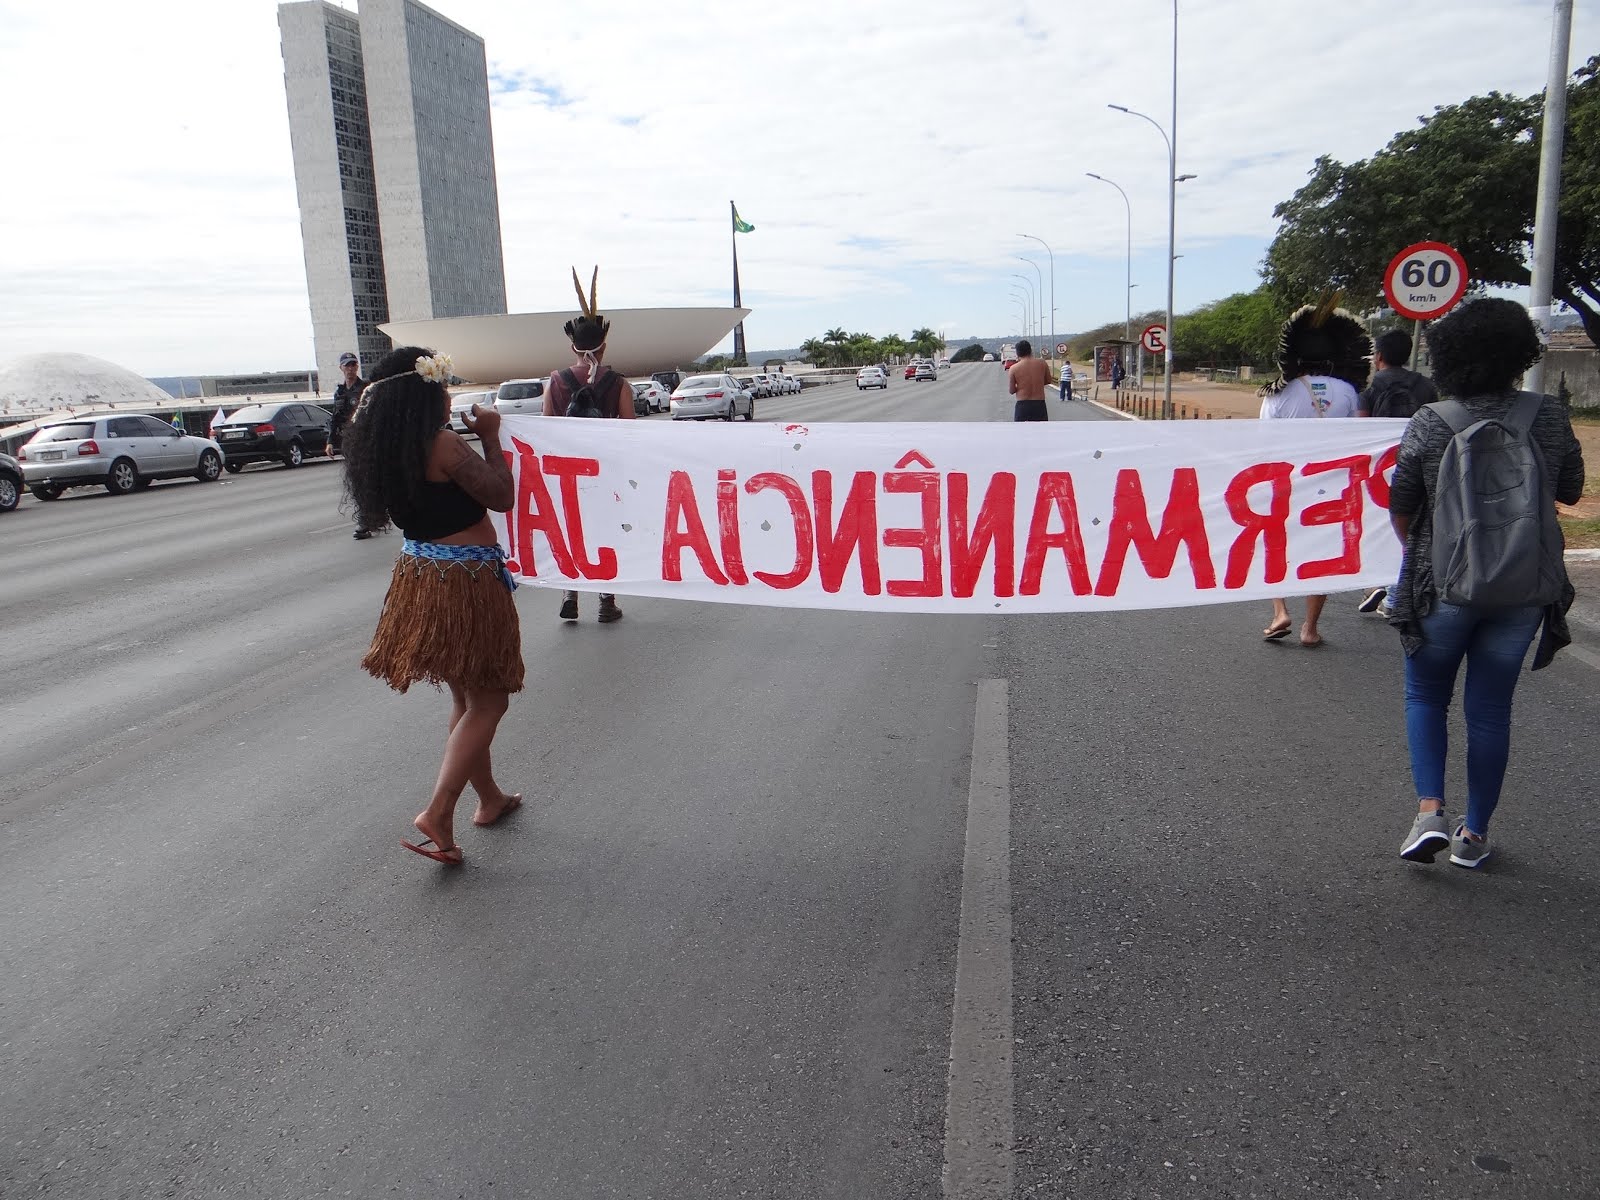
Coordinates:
x,y
441,836
1309,637
489,814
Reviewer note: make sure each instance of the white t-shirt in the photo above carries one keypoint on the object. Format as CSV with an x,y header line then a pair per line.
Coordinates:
x,y
1311,396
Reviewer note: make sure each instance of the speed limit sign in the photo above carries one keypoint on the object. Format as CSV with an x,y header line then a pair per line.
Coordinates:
x,y
1425,281
1154,338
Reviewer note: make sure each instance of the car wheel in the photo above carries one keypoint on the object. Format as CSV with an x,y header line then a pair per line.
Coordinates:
x,y
10,493
46,491
750,413
234,468
728,416
123,477
296,454
210,466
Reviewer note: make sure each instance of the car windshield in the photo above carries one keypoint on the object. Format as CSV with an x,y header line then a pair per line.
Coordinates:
x,y
251,414
64,433
701,381
466,401
521,391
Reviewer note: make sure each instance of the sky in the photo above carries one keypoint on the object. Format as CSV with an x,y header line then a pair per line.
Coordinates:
x,y
888,154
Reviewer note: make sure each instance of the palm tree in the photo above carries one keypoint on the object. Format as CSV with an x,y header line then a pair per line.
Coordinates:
x,y
893,346
815,351
924,341
837,340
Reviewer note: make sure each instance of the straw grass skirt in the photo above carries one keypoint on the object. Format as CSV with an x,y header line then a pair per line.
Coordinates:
x,y
447,622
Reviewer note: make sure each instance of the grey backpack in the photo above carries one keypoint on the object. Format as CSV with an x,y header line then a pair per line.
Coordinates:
x,y
1496,543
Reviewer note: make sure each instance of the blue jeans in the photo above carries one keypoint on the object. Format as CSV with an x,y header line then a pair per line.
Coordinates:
x,y
1494,645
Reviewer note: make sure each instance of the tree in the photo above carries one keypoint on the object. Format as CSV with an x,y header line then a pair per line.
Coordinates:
x,y
1466,176
972,353
1238,329
893,346
925,341
815,351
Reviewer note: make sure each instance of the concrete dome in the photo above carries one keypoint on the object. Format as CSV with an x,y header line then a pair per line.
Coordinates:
x,y
42,383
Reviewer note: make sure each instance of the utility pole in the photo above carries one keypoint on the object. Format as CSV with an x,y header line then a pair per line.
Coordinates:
x,y
1547,210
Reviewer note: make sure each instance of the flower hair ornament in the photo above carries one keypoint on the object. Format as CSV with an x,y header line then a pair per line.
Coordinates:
x,y
435,368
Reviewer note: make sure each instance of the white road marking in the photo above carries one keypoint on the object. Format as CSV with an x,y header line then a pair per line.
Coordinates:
x,y
1588,656
978,1117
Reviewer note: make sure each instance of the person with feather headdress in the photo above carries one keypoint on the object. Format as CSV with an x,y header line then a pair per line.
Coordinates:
x,y
1322,364
587,389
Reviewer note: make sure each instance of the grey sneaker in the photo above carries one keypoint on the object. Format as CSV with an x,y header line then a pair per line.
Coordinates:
x,y
1429,835
609,611
1465,851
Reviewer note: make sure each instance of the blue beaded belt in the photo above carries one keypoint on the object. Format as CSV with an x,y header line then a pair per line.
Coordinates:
x,y
443,555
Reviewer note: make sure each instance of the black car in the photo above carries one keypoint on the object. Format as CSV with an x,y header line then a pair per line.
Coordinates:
x,y
10,482
288,433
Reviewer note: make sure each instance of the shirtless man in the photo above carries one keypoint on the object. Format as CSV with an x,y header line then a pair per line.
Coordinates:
x,y
1029,379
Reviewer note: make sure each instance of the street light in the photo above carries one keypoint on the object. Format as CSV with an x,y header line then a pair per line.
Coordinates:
x,y
1172,200
1027,304
1127,315
1038,301
1040,274
1052,255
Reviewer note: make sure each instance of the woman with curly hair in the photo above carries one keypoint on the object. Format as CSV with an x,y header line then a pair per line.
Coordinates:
x,y
448,618
1480,352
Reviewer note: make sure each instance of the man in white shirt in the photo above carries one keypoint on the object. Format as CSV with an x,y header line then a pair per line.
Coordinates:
x,y
1323,366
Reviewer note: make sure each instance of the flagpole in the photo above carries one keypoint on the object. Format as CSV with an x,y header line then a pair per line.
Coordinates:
x,y
738,330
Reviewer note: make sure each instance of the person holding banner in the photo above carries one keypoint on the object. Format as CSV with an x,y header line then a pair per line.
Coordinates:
x,y
1322,364
587,389
1480,351
448,618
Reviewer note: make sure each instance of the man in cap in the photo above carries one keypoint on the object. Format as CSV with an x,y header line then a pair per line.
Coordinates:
x,y
346,399
588,389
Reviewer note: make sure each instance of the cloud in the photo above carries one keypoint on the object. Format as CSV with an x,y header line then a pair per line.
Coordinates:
x,y
888,155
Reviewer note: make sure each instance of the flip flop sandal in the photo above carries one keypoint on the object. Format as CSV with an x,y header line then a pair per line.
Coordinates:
x,y
439,854
1272,633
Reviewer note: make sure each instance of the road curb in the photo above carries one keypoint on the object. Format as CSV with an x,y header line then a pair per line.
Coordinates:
x,y
1115,412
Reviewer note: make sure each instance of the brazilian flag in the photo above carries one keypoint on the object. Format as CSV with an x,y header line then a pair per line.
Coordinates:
x,y
740,225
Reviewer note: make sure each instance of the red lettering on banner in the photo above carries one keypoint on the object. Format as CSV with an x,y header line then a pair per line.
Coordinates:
x,y
684,530
569,471
800,514
1271,527
928,537
856,532
996,528
1055,495
1182,524
1378,481
534,512
1346,511
728,527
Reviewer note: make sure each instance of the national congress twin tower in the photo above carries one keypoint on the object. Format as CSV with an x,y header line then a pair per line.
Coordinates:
x,y
394,165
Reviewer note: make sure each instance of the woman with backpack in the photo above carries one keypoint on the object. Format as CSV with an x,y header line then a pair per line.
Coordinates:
x,y
1476,590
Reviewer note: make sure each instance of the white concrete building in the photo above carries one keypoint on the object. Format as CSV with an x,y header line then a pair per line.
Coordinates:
x,y
394,166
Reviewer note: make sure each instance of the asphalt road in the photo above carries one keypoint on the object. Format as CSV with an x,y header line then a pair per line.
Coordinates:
x,y
716,954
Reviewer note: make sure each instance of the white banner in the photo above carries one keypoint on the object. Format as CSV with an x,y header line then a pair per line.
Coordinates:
x,y
1068,516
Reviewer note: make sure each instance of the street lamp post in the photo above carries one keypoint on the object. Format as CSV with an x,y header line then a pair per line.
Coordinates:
x,y
1172,203
1036,300
1052,255
1040,274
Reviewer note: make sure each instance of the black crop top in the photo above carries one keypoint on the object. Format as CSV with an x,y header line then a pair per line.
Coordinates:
x,y
445,509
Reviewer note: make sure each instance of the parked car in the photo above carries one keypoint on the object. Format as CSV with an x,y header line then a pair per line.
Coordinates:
x,y
122,453
926,370
462,403
701,397
287,433
871,377
11,484
524,397
649,396
669,380
791,385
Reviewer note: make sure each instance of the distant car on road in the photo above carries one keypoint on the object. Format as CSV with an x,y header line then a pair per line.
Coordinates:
x,y
871,377
121,453
288,433
10,483
649,396
988,358
701,397
522,397
926,370
462,403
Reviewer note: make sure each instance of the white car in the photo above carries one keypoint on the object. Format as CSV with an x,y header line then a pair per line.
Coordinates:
x,y
122,453
943,364
524,397
655,397
791,385
462,403
871,377
704,397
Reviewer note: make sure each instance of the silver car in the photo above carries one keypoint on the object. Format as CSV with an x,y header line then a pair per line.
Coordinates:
x,y
462,403
121,453
525,396
702,397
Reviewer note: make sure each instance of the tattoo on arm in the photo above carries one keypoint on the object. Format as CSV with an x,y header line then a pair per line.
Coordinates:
x,y
487,480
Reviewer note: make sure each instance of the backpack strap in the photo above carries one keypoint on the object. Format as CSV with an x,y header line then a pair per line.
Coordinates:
x,y
1454,414
568,378
1525,412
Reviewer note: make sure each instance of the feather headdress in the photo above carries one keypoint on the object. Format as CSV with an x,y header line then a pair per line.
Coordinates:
x,y
1322,339
588,331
